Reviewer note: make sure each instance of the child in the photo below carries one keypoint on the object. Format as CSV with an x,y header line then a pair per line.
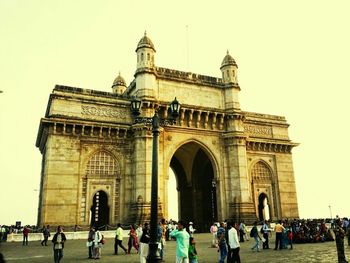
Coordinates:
x,y
290,237
192,252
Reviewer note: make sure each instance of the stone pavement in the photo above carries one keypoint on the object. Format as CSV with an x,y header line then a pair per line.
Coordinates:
x,y
75,251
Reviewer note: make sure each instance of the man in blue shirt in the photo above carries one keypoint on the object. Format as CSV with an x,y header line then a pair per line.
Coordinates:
x,y
182,242
222,243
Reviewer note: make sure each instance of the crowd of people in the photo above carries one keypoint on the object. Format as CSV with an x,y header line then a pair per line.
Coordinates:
x,y
226,237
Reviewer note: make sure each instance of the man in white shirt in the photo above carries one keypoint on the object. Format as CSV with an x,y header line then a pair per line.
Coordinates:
x,y
233,242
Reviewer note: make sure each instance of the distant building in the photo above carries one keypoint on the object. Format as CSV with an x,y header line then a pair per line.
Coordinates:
x,y
228,163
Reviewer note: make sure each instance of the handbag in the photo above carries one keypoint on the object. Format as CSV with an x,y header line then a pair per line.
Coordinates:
x,y
88,243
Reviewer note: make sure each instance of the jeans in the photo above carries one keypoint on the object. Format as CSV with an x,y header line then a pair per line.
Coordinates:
x,y
57,255
278,241
223,252
25,240
256,244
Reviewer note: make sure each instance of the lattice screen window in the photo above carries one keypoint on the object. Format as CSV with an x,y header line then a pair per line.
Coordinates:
x,y
260,171
102,163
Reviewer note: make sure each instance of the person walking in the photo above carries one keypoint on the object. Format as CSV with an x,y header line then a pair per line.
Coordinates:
x,y
182,242
58,244
25,236
91,237
255,234
234,245
144,241
133,240
119,239
339,239
222,243
279,231
46,234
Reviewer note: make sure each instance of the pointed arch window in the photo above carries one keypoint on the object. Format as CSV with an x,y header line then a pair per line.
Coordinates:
x,y
261,171
103,163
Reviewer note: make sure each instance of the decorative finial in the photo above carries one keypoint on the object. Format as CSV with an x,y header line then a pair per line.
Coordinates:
x,y
145,33
119,73
227,52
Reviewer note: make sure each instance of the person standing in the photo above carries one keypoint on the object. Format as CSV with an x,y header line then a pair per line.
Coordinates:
x,y
182,242
255,234
58,244
191,229
339,239
144,241
118,240
279,231
192,251
46,234
25,236
97,245
265,232
222,243
214,231
91,238
233,245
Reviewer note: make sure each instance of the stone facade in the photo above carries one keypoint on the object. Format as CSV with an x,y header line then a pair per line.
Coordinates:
x,y
228,163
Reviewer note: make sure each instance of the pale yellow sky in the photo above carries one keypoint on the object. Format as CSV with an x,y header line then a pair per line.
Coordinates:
x,y
293,59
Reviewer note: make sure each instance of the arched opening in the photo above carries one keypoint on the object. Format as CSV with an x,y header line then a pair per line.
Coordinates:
x,y
99,210
173,197
263,207
196,186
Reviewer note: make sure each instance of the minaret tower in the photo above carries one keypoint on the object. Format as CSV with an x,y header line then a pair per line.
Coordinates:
x,y
145,53
229,78
229,69
119,85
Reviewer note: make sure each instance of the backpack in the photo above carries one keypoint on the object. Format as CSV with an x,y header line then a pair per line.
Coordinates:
x,y
252,232
261,230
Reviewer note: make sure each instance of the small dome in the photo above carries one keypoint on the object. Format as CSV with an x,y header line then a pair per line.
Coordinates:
x,y
145,42
119,81
228,60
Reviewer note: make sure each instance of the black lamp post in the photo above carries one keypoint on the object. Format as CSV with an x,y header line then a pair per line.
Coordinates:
x,y
153,254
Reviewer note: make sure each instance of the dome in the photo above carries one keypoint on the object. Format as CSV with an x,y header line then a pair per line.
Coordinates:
x,y
119,81
145,42
228,60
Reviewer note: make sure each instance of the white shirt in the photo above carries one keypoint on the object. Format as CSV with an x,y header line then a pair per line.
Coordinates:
x,y
233,238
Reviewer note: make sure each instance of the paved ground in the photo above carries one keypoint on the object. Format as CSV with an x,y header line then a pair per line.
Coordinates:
x,y
75,251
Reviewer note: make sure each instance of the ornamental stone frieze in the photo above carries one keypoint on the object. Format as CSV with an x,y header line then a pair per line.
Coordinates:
x,y
104,112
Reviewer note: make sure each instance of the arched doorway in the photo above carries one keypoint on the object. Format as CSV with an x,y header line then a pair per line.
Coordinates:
x,y
99,210
194,174
263,207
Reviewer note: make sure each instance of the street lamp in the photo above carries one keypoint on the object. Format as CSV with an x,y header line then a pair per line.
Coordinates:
x,y
153,254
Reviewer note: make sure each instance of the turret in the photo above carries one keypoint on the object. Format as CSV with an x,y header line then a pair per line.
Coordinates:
x,y
145,53
119,85
229,69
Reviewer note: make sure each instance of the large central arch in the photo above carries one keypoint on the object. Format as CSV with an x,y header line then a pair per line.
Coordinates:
x,y
195,176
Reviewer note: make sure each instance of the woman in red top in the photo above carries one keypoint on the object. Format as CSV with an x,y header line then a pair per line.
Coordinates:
x,y
133,240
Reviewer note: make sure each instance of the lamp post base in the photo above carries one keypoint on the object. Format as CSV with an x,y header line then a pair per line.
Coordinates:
x,y
153,254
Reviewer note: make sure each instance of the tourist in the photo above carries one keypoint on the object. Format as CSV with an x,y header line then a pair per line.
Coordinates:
x,y
182,242
25,235
192,251
290,236
97,244
191,229
222,243
144,241
133,240
279,230
234,245
163,238
119,239
58,244
265,233
46,234
241,231
90,243
255,234
214,231
339,239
